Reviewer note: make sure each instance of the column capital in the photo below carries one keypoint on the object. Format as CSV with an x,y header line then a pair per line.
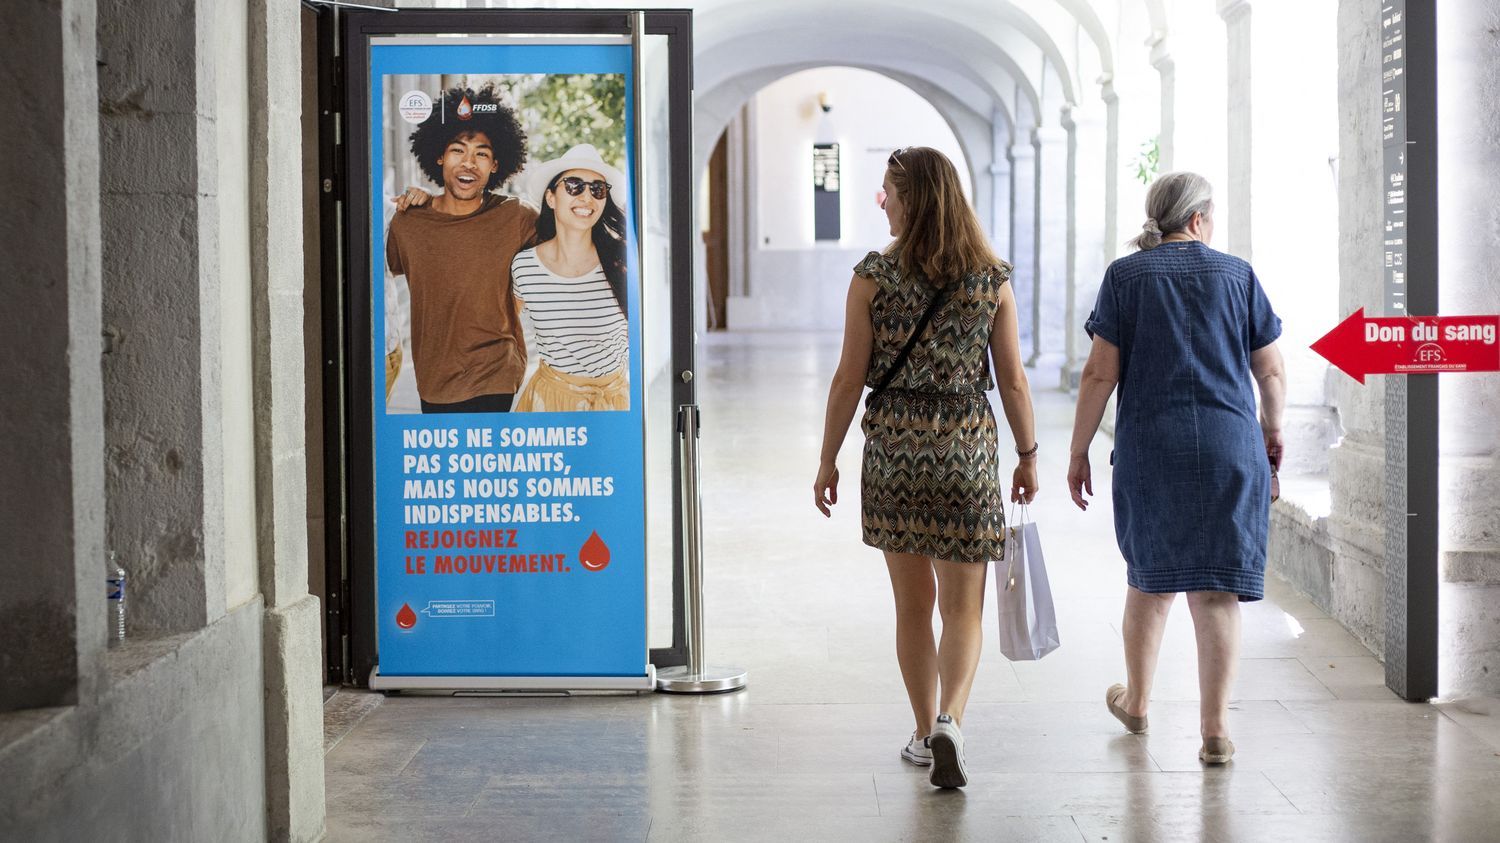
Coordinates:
x,y
1232,10
1000,168
1161,55
1106,83
1020,152
1047,136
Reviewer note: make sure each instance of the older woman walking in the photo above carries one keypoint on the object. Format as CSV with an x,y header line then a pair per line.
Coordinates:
x,y
1181,330
923,321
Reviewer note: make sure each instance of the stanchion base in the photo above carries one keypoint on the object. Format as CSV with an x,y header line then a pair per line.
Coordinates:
x,y
713,680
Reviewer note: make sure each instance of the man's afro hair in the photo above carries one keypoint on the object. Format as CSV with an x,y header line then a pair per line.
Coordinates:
x,y
508,139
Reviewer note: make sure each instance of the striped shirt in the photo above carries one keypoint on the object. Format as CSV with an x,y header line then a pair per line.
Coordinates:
x,y
580,329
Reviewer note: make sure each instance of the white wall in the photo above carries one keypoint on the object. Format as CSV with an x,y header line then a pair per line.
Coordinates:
x,y
232,92
871,116
796,282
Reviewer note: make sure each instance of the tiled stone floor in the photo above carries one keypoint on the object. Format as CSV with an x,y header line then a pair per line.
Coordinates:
x,y
809,750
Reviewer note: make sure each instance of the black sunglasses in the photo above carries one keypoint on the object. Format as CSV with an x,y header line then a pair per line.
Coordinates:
x,y
575,185
895,159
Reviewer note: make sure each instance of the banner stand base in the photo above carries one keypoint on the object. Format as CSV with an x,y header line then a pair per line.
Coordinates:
x,y
645,682
710,680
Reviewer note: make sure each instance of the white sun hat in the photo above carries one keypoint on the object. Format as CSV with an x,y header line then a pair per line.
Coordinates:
x,y
581,157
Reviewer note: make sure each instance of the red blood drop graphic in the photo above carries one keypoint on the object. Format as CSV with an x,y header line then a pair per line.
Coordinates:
x,y
406,618
465,111
594,554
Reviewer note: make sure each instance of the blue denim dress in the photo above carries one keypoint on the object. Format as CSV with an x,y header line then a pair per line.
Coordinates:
x,y
1191,481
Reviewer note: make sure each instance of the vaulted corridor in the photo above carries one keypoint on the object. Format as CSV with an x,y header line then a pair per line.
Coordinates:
x,y
809,749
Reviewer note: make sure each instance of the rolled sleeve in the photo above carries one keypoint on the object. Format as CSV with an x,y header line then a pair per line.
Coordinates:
x,y
1104,320
1265,325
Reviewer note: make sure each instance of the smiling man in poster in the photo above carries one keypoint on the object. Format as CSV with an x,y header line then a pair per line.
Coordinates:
x,y
456,253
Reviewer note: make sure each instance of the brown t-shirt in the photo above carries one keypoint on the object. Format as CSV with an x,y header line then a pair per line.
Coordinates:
x,y
465,335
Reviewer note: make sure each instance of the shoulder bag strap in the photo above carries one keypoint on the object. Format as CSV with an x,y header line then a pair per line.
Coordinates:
x,y
916,334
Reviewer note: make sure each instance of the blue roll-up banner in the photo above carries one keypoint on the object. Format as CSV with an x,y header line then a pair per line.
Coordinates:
x,y
509,426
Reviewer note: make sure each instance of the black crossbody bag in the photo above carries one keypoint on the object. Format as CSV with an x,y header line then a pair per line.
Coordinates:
x,y
916,334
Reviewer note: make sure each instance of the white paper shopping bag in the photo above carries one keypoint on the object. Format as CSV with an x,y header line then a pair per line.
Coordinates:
x,y
1028,624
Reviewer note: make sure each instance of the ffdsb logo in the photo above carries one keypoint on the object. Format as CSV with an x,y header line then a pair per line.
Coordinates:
x,y
486,108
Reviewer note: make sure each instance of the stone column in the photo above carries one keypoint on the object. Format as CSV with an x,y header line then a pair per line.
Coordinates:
x,y
1240,99
1051,236
1022,158
163,425
51,431
1161,59
1111,168
1087,185
294,704
1469,462
999,172
1353,591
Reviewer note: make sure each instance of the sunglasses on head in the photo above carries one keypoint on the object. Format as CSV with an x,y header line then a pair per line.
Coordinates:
x,y
575,185
895,159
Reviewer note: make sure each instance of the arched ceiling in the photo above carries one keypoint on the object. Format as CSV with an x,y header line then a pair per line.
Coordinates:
x,y
982,34
992,77
953,97
963,54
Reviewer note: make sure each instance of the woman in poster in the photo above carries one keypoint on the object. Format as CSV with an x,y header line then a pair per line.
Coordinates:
x,y
572,282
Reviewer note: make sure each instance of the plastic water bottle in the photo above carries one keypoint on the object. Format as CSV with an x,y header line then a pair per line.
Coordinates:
x,y
114,592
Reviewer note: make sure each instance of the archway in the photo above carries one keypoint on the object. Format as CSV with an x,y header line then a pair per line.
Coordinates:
x,y
756,206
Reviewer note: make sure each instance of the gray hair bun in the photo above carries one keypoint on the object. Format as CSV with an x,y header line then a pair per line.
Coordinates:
x,y
1170,205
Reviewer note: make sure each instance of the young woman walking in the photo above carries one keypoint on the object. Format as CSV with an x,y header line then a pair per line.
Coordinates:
x,y
924,320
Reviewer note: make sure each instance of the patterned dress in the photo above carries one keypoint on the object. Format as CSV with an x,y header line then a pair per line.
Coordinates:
x,y
930,481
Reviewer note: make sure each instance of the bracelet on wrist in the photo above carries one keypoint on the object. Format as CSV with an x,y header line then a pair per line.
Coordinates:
x,y
1026,455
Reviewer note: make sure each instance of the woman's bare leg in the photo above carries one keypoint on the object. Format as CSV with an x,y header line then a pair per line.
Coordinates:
x,y
1145,621
960,601
916,592
1216,624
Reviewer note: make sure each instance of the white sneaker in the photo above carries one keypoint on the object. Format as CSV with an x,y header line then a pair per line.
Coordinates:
x,y
917,751
947,744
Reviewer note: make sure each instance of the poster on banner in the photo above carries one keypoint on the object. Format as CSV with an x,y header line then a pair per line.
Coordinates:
x,y
509,427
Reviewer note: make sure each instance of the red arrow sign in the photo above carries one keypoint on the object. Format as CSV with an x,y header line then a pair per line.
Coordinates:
x,y
1412,345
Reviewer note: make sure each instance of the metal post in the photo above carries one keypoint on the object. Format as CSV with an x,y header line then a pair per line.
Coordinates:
x,y
638,132
695,677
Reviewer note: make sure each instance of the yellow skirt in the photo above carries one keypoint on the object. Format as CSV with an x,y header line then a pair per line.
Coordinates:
x,y
551,391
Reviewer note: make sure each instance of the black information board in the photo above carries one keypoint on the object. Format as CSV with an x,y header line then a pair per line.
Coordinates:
x,y
1408,113
1393,134
826,219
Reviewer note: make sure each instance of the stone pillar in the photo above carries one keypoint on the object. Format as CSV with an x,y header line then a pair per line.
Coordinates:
x,y
1071,345
162,397
1161,59
294,703
1087,212
1354,589
51,431
1022,157
999,172
1051,236
1240,99
1111,168
1469,462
